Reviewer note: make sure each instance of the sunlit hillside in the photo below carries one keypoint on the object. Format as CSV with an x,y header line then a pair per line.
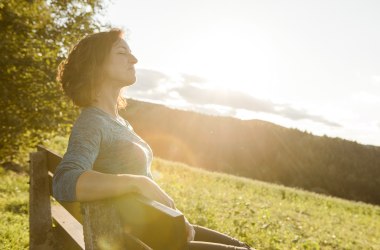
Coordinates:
x,y
264,215
269,216
260,150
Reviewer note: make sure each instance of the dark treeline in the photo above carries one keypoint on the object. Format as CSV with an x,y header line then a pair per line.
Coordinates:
x,y
260,150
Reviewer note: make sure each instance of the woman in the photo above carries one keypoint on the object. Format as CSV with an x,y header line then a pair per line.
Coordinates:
x,y
104,157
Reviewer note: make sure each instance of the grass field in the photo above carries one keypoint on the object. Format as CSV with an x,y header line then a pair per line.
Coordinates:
x,y
264,215
269,216
14,210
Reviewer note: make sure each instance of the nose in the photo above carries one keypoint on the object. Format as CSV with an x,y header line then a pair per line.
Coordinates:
x,y
133,59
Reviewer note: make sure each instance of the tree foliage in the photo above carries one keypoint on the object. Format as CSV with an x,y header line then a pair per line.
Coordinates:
x,y
34,38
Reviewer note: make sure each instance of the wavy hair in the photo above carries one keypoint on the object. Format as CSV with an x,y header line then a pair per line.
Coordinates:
x,y
81,72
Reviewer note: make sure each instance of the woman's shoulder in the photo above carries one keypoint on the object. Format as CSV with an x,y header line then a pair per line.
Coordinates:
x,y
90,118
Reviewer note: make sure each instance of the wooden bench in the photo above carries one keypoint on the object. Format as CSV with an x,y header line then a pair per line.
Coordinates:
x,y
117,223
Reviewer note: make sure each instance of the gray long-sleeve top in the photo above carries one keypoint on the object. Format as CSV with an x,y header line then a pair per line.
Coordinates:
x,y
101,143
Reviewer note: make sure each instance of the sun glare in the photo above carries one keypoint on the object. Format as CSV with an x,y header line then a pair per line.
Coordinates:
x,y
274,52
228,59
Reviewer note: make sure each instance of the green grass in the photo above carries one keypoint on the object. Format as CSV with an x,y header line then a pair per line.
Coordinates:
x,y
268,216
264,215
14,224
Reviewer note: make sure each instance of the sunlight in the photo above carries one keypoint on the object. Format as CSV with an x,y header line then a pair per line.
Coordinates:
x,y
177,150
280,54
227,58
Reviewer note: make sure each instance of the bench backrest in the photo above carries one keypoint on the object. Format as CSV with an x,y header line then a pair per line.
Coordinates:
x,y
42,211
92,225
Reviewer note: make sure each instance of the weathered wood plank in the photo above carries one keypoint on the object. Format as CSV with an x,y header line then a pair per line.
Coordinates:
x,y
40,236
52,158
157,225
103,228
70,225
117,221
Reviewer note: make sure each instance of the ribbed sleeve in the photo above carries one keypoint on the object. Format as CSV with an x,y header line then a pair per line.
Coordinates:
x,y
82,151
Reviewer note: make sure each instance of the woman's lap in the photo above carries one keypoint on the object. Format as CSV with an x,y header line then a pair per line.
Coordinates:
x,y
209,239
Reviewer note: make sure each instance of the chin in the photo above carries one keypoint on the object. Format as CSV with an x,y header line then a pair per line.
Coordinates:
x,y
129,82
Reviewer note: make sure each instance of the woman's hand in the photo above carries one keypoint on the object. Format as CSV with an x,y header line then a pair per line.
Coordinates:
x,y
151,190
189,230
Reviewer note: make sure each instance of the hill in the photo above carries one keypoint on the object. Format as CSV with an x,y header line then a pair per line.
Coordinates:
x,y
267,216
260,150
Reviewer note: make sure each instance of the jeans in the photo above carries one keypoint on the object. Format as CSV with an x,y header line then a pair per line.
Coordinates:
x,y
208,239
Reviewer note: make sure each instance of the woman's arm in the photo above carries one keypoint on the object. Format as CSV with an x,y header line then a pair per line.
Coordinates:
x,y
92,185
81,153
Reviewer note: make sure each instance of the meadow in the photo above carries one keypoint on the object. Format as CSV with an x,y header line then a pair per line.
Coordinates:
x,y
267,216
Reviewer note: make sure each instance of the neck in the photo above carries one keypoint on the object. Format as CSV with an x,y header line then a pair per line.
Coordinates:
x,y
107,100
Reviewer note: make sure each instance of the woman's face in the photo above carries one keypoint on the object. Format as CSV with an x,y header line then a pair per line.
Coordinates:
x,y
119,66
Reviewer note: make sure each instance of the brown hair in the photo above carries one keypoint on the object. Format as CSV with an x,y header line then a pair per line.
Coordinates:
x,y
81,72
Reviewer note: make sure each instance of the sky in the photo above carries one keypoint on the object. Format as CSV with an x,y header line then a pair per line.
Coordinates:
x,y
310,65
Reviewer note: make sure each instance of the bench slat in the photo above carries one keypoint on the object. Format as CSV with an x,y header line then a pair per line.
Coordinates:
x,y
66,221
52,158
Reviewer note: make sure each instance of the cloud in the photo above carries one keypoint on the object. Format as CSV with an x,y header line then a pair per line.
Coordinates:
x,y
241,100
193,79
148,79
157,86
296,114
150,85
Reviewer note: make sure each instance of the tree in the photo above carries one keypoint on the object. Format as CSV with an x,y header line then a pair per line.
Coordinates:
x,y
34,38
